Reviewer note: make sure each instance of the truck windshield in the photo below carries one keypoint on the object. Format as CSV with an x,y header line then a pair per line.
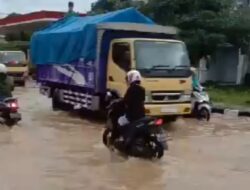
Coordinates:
x,y
7,57
161,58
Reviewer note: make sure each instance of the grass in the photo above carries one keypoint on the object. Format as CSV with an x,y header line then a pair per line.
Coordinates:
x,y
230,96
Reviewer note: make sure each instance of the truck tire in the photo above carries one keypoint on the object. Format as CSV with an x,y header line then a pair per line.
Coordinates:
x,y
22,83
55,101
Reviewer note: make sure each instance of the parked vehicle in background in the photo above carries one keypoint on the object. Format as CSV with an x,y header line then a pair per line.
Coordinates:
x,y
17,65
81,71
202,108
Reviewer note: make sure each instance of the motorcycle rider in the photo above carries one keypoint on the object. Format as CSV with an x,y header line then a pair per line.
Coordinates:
x,y
5,83
195,80
134,105
134,97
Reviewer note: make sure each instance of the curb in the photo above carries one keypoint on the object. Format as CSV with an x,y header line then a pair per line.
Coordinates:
x,y
235,112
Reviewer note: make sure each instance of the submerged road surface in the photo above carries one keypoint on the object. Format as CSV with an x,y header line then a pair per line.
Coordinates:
x,y
57,151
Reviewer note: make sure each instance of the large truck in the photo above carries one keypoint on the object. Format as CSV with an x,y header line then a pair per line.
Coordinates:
x,y
82,59
16,64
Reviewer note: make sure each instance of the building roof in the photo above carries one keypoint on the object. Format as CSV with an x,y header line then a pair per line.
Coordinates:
x,y
20,19
30,21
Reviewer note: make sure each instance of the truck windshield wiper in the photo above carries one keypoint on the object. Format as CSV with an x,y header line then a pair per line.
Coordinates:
x,y
160,66
181,67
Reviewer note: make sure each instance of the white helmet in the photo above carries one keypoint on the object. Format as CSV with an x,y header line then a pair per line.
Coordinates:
x,y
3,68
133,76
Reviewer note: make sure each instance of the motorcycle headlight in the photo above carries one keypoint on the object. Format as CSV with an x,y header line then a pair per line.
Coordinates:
x,y
207,98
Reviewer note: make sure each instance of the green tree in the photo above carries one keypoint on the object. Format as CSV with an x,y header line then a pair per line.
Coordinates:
x,y
13,14
202,22
20,36
103,6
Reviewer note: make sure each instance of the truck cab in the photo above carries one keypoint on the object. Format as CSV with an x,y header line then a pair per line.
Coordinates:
x,y
16,64
165,67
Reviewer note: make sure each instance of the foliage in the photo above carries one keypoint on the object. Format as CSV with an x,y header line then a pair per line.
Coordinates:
x,y
230,95
204,23
21,36
13,14
103,6
15,45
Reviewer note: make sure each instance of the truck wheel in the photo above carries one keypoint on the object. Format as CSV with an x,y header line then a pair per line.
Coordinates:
x,y
55,102
22,83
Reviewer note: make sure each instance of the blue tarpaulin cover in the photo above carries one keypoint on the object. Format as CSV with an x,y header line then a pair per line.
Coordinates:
x,y
73,38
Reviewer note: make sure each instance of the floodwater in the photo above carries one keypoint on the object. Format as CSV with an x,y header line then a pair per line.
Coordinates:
x,y
58,151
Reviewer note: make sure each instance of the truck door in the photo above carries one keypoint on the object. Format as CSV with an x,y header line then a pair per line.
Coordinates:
x,y
118,65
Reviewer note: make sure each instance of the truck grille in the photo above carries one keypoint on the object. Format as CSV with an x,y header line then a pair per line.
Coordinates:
x,y
166,96
15,74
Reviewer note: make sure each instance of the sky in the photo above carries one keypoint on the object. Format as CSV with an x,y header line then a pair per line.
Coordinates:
x,y
24,6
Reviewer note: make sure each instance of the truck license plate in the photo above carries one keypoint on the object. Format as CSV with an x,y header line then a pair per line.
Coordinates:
x,y
169,109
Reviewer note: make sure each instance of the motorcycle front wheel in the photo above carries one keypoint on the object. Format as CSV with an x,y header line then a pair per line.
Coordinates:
x,y
10,122
106,136
204,114
156,147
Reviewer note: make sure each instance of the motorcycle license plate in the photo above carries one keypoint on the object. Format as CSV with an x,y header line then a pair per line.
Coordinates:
x,y
15,116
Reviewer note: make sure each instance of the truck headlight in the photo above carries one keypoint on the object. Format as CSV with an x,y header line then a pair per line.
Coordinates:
x,y
186,97
148,97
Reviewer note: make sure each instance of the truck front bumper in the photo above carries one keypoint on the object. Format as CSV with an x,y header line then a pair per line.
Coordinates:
x,y
19,79
168,109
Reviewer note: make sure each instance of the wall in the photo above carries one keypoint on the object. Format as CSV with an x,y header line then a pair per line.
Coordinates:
x,y
222,67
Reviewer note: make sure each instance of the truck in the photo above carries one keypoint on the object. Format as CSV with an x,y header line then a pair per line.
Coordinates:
x,y
80,60
16,64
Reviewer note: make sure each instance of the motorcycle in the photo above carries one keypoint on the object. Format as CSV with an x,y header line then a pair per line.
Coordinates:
x,y
149,139
201,106
9,112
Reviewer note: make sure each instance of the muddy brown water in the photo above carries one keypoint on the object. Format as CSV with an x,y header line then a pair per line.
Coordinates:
x,y
57,151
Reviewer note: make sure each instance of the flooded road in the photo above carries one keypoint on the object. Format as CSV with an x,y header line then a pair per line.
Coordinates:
x,y
57,151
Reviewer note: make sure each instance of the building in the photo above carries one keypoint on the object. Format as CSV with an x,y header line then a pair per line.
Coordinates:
x,y
227,65
29,22
2,39
243,3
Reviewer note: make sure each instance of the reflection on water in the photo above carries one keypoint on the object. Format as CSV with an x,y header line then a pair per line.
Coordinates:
x,y
57,151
